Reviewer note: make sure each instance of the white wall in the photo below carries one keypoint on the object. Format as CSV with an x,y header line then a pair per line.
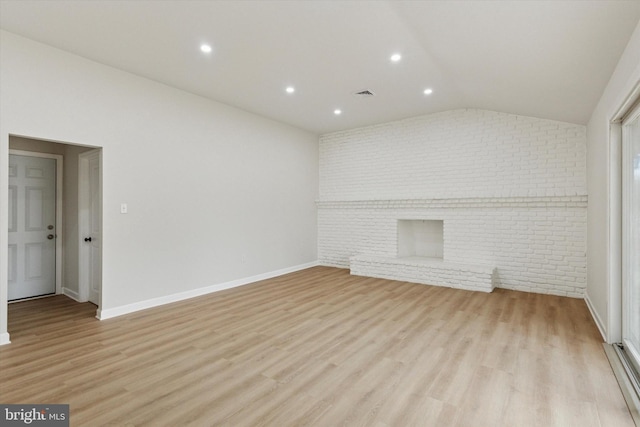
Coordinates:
x,y
214,193
510,189
603,170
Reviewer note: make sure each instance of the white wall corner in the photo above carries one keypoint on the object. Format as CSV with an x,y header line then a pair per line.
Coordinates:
x,y
71,294
4,338
155,302
596,317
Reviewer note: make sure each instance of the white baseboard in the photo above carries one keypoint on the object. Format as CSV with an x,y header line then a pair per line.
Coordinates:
x,y
596,317
71,294
154,302
4,338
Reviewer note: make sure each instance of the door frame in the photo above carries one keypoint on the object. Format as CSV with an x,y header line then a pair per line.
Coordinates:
x,y
59,234
613,329
627,261
84,200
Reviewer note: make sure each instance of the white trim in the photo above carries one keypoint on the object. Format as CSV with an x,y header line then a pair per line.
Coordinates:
x,y
596,317
71,294
4,338
4,236
627,104
154,302
59,185
614,243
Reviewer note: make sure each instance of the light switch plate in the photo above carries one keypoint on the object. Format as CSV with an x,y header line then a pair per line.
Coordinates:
x,y
123,208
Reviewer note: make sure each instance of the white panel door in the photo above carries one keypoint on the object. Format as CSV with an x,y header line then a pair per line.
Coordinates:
x,y
32,220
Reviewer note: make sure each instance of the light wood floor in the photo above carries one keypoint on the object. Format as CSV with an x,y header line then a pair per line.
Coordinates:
x,y
318,347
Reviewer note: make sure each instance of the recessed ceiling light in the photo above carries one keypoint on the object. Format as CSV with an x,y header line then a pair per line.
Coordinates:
x,y
205,48
337,111
396,57
428,91
290,89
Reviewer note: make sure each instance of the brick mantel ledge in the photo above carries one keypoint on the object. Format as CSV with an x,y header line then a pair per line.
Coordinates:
x,y
579,201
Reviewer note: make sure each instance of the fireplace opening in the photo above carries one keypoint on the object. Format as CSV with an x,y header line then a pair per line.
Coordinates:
x,y
420,238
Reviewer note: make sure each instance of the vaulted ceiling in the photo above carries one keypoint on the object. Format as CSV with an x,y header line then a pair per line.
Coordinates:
x,y
548,59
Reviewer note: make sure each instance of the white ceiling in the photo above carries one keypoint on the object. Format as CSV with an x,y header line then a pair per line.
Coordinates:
x,y
548,59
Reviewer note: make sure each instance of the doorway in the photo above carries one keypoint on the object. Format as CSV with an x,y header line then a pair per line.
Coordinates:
x,y
68,233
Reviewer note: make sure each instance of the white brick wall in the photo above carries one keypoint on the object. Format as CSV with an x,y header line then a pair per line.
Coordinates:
x,y
454,154
510,189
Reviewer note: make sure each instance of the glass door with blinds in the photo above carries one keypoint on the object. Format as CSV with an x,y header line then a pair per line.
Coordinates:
x,y
631,237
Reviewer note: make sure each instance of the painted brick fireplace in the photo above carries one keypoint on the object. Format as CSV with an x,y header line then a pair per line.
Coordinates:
x,y
509,191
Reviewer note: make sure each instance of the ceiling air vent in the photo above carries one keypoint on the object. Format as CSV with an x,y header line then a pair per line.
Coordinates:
x,y
364,94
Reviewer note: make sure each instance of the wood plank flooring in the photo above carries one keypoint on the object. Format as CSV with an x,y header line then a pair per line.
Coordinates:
x,y
318,347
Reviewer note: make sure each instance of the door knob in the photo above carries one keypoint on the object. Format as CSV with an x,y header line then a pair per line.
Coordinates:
x,y
87,239
50,236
